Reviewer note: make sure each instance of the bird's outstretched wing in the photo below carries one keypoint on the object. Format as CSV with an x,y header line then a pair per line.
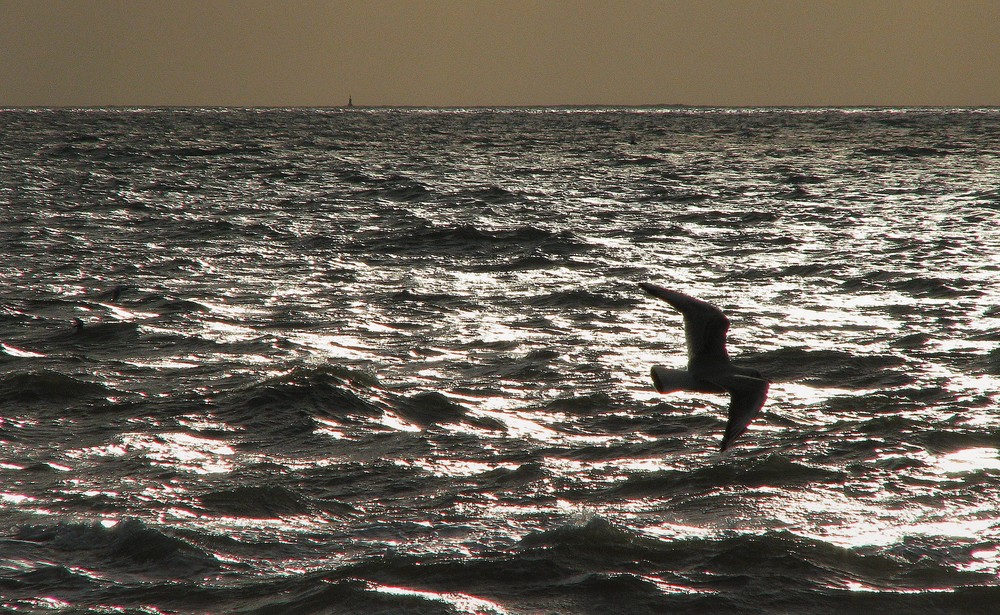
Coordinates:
x,y
705,327
747,395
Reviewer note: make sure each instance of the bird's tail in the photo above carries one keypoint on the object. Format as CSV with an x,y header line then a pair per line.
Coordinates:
x,y
668,380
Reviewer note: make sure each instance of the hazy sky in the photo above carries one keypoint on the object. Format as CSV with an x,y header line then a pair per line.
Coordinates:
x,y
501,52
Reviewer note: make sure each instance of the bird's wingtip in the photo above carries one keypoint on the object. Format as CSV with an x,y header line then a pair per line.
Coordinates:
x,y
649,288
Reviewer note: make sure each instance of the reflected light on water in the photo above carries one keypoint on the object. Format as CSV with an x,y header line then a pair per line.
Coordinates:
x,y
344,346
182,451
18,352
969,460
15,498
456,467
394,422
459,603
985,560
866,532
264,399
849,522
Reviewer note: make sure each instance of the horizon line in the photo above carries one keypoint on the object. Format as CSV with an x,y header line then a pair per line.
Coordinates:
x,y
355,106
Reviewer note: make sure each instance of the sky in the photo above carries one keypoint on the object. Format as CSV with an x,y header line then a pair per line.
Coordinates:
x,y
499,52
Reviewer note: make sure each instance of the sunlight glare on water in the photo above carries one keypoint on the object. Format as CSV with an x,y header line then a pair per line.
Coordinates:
x,y
397,360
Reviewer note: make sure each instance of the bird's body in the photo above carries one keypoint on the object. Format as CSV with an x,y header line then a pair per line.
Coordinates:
x,y
709,369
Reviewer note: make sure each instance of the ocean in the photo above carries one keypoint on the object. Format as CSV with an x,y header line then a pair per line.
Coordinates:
x,y
381,360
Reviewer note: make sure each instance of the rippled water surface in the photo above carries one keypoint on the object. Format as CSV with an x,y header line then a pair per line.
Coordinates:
x,y
383,361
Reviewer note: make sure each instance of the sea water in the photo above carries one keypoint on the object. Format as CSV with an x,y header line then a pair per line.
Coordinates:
x,y
396,360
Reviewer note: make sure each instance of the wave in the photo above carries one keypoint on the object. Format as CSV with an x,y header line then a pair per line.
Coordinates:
x,y
104,334
437,300
939,288
288,406
327,593
97,151
582,404
768,471
912,341
598,567
593,539
588,567
804,270
490,195
797,179
521,263
129,545
988,363
20,589
429,408
467,240
257,501
776,559
907,151
576,299
167,304
921,287
783,559
48,386
503,479
666,194
316,593
642,161
325,390
535,366
956,439
834,368
516,581
396,188
808,270
890,401
204,151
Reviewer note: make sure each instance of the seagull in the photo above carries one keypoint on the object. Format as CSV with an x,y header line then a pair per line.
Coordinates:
x,y
709,369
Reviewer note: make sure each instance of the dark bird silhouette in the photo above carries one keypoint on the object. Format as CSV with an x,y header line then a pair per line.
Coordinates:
x,y
709,369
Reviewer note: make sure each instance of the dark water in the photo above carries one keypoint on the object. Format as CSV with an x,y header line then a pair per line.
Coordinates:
x,y
387,361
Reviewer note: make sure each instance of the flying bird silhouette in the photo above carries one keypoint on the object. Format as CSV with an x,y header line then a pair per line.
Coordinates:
x,y
709,369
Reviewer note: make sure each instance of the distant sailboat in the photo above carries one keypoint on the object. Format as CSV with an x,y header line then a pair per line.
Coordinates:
x,y
350,101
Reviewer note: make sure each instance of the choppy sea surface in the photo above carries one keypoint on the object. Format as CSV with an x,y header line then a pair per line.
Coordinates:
x,y
396,361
